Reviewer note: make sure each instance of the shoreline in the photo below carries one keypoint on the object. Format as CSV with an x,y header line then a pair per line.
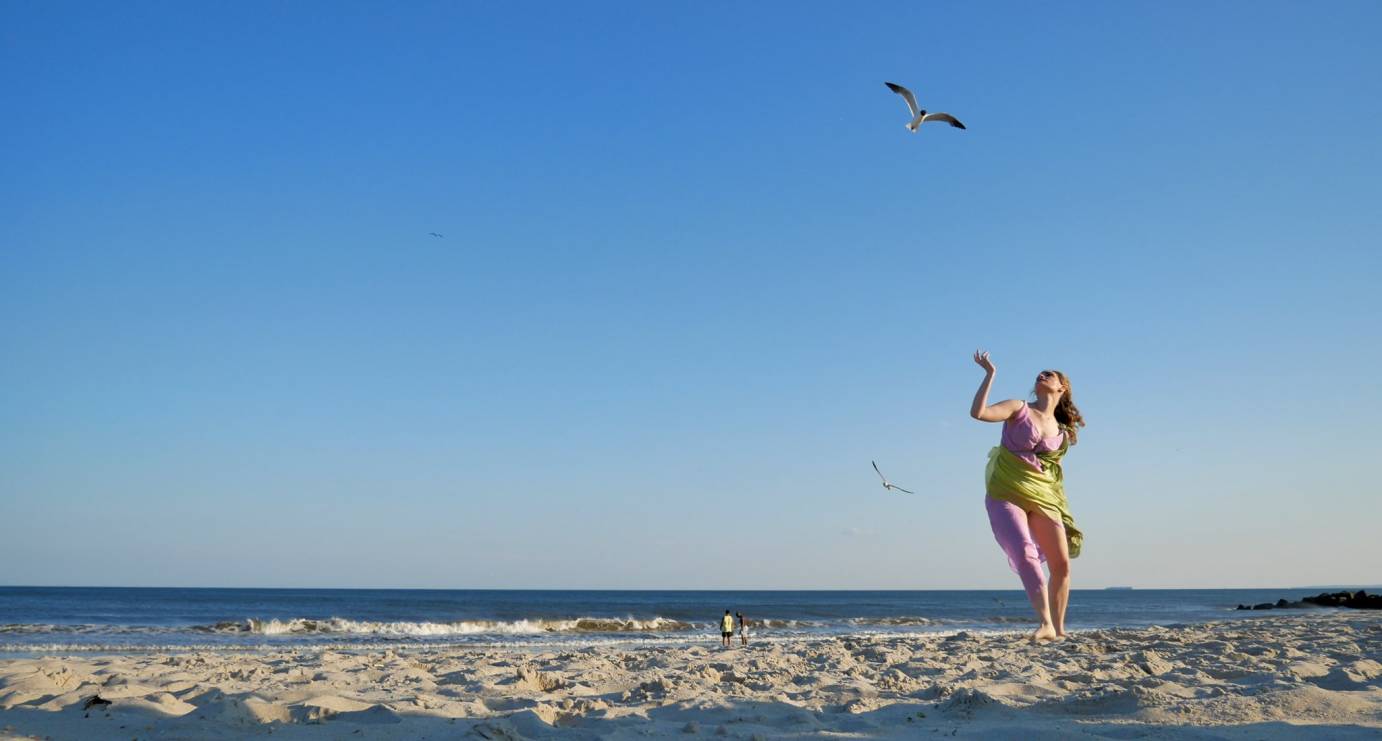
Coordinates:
x,y
1274,676
596,642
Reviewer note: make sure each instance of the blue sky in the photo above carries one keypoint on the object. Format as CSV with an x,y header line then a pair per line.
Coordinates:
x,y
695,276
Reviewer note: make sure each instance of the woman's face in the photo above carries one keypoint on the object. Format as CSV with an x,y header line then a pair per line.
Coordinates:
x,y
1049,381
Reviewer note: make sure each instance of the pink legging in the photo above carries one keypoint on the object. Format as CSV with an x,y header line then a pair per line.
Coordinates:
x,y
1010,529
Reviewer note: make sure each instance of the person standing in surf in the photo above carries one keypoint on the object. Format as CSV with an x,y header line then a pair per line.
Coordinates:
x,y
1024,482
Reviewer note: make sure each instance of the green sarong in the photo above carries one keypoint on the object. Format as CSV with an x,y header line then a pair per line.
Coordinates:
x,y
1011,479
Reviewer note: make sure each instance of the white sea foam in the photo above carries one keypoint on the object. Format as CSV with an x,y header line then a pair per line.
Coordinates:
x,y
532,642
320,633
306,627
345,626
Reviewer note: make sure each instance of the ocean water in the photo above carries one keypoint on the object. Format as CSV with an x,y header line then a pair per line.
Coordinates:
x,y
52,619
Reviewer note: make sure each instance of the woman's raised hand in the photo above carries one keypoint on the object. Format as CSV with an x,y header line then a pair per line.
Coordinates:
x,y
982,358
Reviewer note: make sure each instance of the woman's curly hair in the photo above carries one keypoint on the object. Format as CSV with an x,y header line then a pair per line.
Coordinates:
x,y
1067,414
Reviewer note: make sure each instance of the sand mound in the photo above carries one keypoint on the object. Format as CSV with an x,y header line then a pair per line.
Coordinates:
x,y
530,678
1355,675
240,710
372,715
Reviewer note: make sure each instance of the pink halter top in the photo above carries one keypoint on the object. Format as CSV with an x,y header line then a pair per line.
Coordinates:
x,y
1022,437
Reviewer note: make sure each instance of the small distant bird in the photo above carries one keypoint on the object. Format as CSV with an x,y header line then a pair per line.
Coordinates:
x,y
438,236
95,701
919,115
888,485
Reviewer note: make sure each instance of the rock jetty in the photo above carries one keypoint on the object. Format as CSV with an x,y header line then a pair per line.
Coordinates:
x,y
1359,600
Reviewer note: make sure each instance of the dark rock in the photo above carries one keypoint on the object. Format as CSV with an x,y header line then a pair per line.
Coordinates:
x,y
1330,599
1364,601
1359,600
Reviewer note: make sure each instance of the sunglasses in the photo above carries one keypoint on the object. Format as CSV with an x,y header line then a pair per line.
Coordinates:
x,y
1047,374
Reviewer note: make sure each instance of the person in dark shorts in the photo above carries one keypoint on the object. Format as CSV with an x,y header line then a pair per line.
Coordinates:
x,y
726,629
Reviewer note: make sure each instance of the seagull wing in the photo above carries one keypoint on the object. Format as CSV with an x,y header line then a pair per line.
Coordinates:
x,y
904,491
880,473
906,95
946,117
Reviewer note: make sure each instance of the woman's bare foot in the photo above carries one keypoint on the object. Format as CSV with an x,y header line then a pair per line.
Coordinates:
x,y
1045,633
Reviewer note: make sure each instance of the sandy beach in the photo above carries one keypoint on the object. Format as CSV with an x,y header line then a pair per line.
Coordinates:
x,y
1314,673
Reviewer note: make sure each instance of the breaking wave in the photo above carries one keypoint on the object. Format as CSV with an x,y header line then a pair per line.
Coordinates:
x,y
441,629
344,626
890,621
318,633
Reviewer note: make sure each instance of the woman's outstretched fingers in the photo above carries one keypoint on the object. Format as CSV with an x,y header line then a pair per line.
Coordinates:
x,y
982,358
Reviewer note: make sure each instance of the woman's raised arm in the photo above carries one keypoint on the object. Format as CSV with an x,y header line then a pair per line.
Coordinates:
x,y
981,409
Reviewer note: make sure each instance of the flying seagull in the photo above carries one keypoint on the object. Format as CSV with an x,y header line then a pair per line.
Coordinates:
x,y
434,234
888,485
920,116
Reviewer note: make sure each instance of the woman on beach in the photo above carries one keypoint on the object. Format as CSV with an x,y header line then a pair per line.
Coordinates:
x,y
1026,497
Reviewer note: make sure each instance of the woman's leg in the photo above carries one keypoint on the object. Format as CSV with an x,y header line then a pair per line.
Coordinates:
x,y
1050,536
1010,529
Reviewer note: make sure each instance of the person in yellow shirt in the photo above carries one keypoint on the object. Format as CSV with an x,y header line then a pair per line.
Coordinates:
x,y
726,629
